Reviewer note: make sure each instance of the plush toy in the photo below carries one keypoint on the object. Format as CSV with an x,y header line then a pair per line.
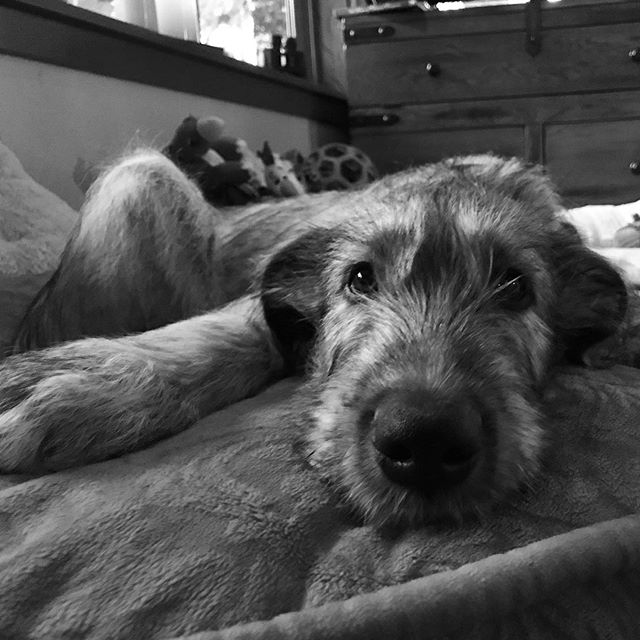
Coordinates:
x,y
297,161
229,173
232,149
280,176
225,169
629,235
337,166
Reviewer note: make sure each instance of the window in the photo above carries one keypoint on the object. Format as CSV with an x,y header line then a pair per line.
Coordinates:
x,y
178,19
86,35
242,28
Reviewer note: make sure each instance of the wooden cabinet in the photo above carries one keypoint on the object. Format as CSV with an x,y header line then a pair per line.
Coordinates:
x,y
423,85
396,150
593,160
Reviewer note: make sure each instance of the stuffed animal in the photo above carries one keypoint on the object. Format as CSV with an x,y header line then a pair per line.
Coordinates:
x,y
223,166
629,235
297,161
229,173
233,149
280,176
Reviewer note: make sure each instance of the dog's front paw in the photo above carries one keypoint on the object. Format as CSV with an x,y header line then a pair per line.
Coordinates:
x,y
80,403
36,431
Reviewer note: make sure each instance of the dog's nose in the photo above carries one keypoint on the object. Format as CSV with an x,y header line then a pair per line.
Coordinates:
x,y
426,442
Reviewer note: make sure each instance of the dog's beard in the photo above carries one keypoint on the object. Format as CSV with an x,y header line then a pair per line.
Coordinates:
x,y
340,447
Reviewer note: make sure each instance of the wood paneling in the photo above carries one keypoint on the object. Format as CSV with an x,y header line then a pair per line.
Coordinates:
x,y
333,71
493,65
570,13
590,161
443,116
399,150
575,106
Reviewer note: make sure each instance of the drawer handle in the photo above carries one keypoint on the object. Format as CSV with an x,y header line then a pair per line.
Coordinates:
x,y
433,69
634,54
384,119
634,167
368,33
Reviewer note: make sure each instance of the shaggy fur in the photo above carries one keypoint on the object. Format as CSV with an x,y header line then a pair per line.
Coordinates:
x,y
148,250
132,263
425,311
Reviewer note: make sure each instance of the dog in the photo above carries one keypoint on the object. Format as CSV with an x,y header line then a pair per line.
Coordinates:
x,y
426,313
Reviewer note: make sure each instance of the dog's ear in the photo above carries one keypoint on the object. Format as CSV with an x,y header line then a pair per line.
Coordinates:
x,y
592,298
293,297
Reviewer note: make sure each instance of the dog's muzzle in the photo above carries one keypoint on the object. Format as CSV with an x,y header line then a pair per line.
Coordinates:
x,y
425,442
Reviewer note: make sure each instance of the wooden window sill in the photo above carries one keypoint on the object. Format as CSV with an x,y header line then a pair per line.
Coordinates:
x,y
64,35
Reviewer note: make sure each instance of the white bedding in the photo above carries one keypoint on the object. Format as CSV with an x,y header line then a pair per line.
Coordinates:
x,y
597,224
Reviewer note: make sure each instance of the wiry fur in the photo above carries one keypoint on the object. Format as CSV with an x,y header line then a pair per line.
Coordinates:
x,y
438,237
96,398
147,236
148,250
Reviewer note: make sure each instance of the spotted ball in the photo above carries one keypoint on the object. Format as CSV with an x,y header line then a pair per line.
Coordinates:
x,y
338,166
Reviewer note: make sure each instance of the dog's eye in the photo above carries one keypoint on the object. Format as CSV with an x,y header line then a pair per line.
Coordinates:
x,y
513,291
362,279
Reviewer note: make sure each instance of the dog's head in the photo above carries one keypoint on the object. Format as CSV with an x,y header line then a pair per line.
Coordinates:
x,y
427,322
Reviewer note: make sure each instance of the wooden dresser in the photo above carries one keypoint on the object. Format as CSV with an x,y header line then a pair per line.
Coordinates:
x,y
423,85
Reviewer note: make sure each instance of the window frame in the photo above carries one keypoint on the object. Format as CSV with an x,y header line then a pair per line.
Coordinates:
x,y
68,36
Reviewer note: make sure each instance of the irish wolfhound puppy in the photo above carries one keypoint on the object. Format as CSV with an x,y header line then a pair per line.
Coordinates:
x,y
426,313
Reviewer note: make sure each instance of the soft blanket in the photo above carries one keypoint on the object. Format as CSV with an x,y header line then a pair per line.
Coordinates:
x,y
224,524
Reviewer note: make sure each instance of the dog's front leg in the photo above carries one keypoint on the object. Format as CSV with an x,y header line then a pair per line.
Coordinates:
x,y
93,399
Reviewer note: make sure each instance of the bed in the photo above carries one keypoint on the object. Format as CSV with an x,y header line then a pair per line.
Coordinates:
x,y
223,532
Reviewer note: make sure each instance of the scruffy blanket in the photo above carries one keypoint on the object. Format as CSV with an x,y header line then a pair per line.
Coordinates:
x,y
224,524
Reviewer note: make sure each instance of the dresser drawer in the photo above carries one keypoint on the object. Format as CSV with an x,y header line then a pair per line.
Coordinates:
x,y
394,151
491,65
590,162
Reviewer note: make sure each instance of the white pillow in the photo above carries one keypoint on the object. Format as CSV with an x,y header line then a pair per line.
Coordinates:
x,y
34,223
597,224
